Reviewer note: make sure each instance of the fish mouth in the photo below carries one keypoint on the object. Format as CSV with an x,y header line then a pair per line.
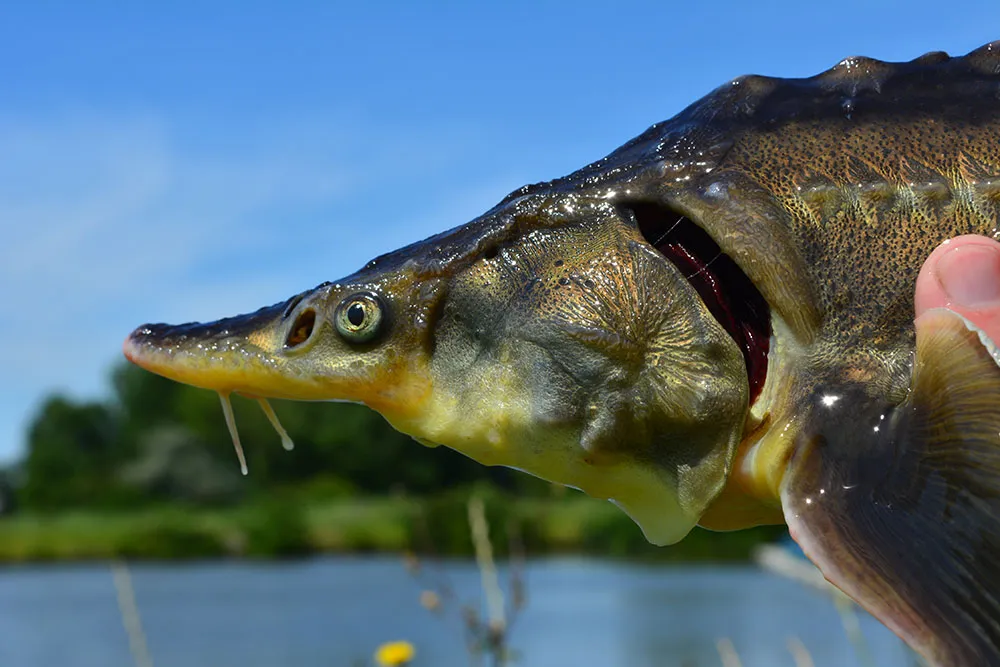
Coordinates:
x,y
727,292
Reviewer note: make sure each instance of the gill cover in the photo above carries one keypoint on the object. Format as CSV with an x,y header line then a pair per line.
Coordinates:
x,y
580,355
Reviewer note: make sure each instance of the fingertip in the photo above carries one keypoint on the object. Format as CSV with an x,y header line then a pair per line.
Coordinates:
x,y
963,275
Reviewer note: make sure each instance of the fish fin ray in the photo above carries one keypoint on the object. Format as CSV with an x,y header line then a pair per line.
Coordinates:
x,y
899,506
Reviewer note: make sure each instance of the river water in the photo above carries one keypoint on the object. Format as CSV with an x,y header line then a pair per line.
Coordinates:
x,y
333,612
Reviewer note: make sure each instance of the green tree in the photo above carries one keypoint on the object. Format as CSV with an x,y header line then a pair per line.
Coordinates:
x,y
172,464
73,450
8,502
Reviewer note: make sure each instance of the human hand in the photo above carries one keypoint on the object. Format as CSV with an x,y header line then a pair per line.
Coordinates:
x,y
963,275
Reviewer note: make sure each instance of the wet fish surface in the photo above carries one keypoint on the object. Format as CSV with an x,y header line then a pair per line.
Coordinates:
x,y
713,325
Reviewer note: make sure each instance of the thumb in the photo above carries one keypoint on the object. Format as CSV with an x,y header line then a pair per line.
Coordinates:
x,y
963,275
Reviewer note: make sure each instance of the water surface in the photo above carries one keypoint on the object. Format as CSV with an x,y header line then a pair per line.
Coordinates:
x,y
335,611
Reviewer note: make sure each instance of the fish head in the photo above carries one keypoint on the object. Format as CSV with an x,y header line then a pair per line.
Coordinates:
x,y
550,335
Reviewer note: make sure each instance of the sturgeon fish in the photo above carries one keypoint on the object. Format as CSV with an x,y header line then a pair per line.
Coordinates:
x,y
712,325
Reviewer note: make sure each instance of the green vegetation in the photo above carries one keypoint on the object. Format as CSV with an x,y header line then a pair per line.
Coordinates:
x,y
437,526
151,474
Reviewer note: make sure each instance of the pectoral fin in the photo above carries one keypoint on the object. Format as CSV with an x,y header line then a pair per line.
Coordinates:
x,y
899,506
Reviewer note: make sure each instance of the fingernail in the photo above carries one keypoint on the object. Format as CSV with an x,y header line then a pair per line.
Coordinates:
x,y
970,275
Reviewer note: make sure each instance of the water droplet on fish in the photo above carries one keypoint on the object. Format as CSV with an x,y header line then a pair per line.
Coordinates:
x,y
848,106
227,410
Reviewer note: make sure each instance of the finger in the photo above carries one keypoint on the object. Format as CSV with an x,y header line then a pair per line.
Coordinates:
x,y
963,275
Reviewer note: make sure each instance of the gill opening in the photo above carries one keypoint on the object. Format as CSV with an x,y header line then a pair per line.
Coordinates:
x,y
725,289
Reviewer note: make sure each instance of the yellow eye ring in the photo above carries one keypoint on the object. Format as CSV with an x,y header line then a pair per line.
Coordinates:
x,y
359,318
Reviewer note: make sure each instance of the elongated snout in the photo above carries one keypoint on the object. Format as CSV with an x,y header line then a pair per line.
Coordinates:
x,y
331,343
257,354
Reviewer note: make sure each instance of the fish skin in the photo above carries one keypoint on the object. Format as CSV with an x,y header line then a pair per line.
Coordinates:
x,y
828,193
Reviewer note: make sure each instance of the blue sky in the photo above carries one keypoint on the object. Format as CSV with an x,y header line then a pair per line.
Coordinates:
x,y
203,159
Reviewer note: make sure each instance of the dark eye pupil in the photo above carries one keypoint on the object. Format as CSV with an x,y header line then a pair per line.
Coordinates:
x,y
356,314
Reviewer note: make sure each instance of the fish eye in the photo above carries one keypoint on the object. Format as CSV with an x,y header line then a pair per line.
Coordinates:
x,y
359,318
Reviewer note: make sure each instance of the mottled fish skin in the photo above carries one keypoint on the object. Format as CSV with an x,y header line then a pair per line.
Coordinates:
x,y
893,485
830,191
551,334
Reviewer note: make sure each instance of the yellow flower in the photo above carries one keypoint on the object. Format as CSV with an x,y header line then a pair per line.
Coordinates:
x,y
393,654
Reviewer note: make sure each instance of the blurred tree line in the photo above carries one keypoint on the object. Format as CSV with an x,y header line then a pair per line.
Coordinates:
x,y
157,440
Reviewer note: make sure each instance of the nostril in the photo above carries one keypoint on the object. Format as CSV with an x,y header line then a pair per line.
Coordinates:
x,y
302,329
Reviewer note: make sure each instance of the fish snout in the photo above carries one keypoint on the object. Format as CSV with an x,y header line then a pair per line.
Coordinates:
x,y
222,355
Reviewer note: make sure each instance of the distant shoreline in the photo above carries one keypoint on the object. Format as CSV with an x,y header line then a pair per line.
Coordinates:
x,y
390,525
